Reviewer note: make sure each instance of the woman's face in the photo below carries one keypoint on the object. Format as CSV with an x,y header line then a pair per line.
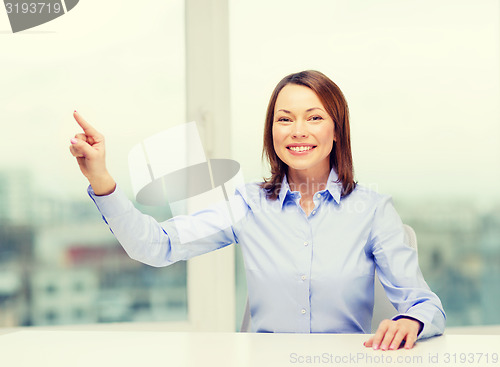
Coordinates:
x,y
303,133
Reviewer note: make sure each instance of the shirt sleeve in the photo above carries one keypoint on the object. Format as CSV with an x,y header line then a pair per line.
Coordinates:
x,y
399,272
179,238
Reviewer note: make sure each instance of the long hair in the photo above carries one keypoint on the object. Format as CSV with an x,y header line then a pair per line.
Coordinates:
x,y
335,104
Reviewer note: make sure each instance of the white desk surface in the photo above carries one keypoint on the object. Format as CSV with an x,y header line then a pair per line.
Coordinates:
x,y
31,347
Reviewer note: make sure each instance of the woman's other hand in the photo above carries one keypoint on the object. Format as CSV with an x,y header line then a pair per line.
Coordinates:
x,y
390,334
88,148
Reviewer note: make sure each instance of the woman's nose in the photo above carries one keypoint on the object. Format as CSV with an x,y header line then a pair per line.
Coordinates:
x,y
299,130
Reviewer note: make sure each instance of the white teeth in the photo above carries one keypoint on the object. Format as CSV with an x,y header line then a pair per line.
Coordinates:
x,y
300,149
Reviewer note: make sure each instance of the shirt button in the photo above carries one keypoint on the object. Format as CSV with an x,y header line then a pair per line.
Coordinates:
x,y
303,311
313,212
306,243
318,195
303,277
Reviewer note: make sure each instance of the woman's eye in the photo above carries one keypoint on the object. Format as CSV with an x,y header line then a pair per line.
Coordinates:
x,y
316,118
284,119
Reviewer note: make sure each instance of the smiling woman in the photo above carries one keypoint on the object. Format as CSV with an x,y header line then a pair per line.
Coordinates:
x,y
310,236
307,142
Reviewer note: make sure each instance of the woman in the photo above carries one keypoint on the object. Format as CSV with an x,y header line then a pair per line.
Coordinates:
x,y
311,237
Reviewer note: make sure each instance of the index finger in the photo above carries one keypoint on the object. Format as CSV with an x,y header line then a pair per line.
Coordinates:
x,y
87,128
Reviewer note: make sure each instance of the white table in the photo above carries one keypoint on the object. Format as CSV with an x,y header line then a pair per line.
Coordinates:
x,y
31,347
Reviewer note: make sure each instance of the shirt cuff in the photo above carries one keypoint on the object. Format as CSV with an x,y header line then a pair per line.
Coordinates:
x,y
410,318
112,205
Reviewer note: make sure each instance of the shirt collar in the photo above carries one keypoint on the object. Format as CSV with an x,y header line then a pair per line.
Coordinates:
x,y
332,187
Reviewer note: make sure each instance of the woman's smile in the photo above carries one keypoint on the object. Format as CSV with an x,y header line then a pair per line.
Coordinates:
x,y
300,149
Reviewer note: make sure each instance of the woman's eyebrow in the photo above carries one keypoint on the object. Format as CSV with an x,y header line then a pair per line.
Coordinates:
x,y
308,110
285,111
314,108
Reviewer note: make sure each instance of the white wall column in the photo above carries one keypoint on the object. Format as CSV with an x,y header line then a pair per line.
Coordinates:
x,y
211,298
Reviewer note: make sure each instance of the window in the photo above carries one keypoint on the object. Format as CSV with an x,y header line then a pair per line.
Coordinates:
x,y
126,75
422,82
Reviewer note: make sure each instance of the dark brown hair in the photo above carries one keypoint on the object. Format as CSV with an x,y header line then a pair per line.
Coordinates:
x,y
335,104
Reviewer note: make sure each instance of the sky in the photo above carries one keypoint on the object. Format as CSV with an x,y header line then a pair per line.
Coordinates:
x,y
421,79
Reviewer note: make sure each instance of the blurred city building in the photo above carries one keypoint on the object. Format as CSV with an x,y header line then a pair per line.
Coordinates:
x,y
59,264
